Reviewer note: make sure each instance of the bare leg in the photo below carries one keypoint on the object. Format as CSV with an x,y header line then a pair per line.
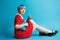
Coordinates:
x,y
40,28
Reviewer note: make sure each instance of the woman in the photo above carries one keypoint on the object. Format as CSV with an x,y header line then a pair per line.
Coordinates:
x,y
30,26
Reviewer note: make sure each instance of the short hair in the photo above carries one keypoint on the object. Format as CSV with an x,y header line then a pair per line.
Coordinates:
x,y
20,7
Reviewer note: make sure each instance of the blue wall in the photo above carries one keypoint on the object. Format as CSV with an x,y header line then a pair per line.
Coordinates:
x,y
44,12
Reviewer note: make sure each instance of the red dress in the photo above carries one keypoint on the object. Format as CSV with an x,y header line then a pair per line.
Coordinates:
x,y
18,33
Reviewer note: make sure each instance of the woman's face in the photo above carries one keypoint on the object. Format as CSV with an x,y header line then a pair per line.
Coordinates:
x,y
22,10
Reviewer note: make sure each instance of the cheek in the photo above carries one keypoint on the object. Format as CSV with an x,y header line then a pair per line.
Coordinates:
x,y
21,10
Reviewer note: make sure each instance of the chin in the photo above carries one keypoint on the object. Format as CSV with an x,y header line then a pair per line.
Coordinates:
x,y
23,13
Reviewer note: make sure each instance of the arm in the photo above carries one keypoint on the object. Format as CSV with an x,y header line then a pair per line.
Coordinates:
x,y
18,22
17,26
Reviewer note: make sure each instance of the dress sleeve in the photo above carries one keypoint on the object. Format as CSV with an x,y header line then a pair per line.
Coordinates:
x,y
18,19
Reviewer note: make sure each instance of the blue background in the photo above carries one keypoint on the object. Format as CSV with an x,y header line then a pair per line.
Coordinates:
x,y
44,12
